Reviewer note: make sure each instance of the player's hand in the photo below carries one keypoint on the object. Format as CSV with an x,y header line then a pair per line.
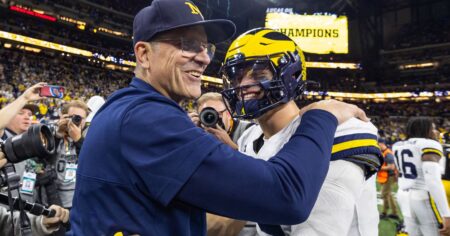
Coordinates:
x,y
445,231
2,159
32,93
221,135
194,117
61,216
341,110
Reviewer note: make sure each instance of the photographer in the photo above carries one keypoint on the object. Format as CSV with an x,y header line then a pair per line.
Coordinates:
x,y
15,119
226,129
40,225
69,140
17,107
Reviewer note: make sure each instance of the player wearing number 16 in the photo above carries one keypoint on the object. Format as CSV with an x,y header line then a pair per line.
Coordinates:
x,y
421,195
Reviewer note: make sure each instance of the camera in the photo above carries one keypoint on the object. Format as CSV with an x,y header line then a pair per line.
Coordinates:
x,y
37,141
9,177
209,117
76,119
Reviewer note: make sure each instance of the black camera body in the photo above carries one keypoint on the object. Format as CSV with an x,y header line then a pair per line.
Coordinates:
x,y
76,119
209,117
37,141
9,177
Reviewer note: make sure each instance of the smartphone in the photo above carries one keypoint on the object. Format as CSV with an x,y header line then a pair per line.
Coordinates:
x,y
52,91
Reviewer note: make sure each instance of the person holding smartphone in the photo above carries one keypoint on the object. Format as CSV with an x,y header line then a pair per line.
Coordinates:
x,y
14,108
15,119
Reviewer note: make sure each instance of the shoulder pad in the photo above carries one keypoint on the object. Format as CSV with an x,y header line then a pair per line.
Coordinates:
x,y
355,137
430,146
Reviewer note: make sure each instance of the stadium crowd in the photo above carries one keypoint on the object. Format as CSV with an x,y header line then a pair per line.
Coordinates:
x,y
80,79
69,36
422,34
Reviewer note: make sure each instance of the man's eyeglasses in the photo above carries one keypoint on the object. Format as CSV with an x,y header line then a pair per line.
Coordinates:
x,y
191,47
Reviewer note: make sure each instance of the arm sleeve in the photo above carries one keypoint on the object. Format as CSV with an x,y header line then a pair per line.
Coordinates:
x,y
285,187
5,222
432,175
37,228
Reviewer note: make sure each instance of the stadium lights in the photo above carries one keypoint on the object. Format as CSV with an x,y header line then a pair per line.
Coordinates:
x,y
35,13
30,49
109,31
80,24
62,48
44,44
115,67
381,97
332,65
212,79
114,59
418,65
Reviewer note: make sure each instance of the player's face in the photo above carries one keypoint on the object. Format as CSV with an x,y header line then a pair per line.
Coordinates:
x,y
175,72
249,83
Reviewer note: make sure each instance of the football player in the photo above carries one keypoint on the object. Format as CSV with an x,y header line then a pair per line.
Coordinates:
x,y
264,71
421,196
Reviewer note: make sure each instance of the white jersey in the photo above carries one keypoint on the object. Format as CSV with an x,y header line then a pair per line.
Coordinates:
x,y
408,158
271,146
351,138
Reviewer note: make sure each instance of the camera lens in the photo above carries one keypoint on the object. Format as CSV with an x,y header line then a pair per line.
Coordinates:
x,y
38,141
76,119
209,117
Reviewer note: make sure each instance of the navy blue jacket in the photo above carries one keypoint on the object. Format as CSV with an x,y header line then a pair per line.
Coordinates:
x,y
146,169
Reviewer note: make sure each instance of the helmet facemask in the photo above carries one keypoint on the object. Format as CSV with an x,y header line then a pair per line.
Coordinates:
x,y
273,85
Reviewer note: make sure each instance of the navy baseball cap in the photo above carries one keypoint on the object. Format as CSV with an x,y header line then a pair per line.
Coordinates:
x,y
164,15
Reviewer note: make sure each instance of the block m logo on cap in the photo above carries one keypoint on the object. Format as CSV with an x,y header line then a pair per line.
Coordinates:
x,y
194,9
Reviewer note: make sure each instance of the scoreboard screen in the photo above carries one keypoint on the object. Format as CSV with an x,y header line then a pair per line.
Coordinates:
x,y
320,34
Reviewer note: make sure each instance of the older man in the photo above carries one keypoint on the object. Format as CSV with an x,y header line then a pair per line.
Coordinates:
x,y
146,169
